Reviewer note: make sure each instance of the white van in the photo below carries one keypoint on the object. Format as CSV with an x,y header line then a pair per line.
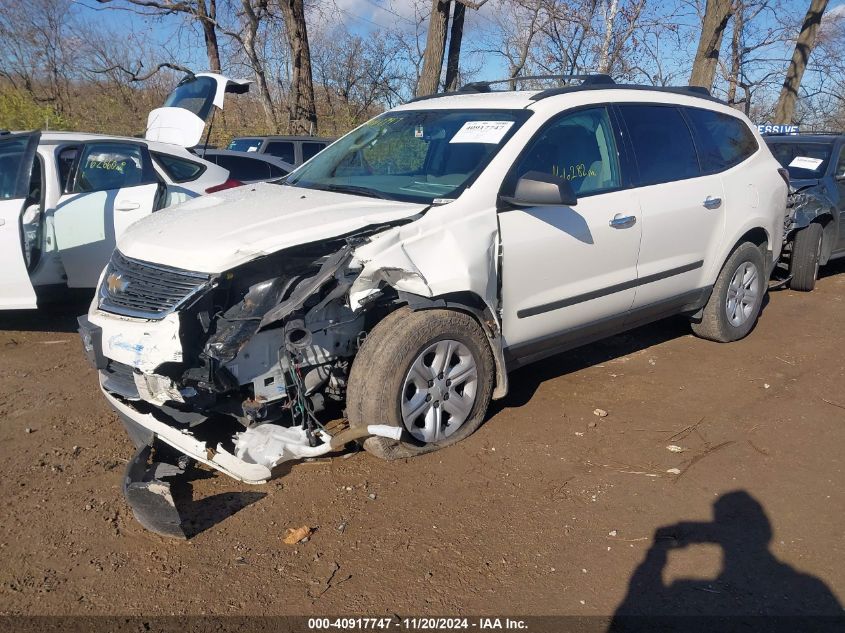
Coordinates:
x,y
412,264
65,197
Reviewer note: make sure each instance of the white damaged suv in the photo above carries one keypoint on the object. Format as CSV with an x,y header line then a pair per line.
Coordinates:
x,y
412,264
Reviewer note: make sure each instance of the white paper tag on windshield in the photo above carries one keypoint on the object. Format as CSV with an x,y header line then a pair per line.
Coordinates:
x,y
805,162
482,132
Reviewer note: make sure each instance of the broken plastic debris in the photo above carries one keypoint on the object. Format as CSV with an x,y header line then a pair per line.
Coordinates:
x,y
612,533
295,535
674,471
674,448
600,412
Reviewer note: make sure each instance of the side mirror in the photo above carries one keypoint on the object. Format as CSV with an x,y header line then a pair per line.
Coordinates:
x,y
537,189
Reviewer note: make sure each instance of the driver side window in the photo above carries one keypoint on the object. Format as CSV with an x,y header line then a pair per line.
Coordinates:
x,y
578,147
840,166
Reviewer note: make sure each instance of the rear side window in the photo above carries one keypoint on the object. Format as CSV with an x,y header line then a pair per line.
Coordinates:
x,y
662,143
277,172
179,169
64,162
722,140
283,150
108,166
310,149
243,169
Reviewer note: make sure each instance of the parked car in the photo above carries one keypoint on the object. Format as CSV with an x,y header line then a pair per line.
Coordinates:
x,y
65,197
291,149
420,258
248,167
815,228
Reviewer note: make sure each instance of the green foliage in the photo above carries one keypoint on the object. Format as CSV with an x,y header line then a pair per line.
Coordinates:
x,y
19,111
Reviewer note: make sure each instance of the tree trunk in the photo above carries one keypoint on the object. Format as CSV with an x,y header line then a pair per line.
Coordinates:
x,y
609,19
435,46
456,34
303,110
207,17
717,13
253,22
785,108
736,52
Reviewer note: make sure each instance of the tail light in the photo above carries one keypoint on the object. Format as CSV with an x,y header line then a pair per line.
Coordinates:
x,y
784,174
230,183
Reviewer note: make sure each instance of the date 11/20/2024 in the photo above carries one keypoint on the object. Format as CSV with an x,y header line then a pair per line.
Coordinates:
x,y
416,624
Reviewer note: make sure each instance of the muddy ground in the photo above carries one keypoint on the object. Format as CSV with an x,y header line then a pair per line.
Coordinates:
x,y
547,509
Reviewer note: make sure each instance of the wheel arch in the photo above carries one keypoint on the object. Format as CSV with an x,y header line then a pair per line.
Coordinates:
x,y
473,305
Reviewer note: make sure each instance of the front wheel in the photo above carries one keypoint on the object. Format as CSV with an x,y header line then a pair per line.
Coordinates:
x,y
737,297
430,372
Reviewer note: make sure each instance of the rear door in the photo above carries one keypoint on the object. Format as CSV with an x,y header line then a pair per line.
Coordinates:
x,y
17,158
683,210
113,185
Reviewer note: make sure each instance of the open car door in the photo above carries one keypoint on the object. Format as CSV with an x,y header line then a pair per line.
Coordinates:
x,y
17,159
112,185
187,109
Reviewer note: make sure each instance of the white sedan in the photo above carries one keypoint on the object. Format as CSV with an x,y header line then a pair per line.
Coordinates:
x,y
66,197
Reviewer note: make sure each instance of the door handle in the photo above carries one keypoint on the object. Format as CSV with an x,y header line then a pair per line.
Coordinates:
x,y
2,221
620,221
712,203
126,205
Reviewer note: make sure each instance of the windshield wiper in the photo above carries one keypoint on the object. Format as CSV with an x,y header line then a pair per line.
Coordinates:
x,y
359,191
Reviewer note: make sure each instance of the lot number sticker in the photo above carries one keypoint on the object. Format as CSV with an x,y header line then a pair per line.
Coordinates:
x,y
482,132
805,162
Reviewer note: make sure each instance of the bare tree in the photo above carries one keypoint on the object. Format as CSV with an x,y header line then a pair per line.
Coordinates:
x,y
301,105
435,47
717,14
202,12
785,108
456,36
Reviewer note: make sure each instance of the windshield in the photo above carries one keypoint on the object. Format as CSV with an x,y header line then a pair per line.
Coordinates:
x,y
245,144
414,156
804,161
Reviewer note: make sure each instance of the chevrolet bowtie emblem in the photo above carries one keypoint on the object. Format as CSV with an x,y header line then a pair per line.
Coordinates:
x,y
116,283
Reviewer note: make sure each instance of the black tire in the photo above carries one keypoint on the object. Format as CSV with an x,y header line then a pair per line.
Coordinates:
x,y
715,324
377,378
806,253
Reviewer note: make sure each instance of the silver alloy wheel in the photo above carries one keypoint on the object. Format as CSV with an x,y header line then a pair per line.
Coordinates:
x,y
742,294
439,391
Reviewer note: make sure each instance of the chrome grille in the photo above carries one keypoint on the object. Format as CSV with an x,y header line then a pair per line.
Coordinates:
x,y
151,291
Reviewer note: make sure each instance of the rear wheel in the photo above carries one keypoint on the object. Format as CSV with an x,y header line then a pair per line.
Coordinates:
x,y
737,297
806,254
430,372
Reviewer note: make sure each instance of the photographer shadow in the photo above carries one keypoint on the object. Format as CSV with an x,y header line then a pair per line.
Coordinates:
x,y
752,581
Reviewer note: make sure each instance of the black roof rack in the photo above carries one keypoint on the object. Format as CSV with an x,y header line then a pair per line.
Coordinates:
x,y
690,91
475,87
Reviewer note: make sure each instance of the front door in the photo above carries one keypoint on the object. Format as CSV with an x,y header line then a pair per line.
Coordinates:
x,y
113,185
17,160
564,268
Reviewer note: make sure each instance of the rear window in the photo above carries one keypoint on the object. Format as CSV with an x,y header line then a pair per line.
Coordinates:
x,y
283,150
309,150
179,169
803,160
662,143
245,144
242,168
722,140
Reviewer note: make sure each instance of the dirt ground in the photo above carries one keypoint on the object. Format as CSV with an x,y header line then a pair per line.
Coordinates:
x,y
547,509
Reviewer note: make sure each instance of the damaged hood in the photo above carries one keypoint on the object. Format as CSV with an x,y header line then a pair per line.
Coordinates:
x,y
215,233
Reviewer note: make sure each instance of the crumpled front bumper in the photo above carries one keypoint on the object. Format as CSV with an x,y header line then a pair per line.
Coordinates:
x,y
159,439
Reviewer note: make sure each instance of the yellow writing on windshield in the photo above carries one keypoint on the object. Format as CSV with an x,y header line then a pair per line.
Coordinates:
x,y
107,165
573,172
